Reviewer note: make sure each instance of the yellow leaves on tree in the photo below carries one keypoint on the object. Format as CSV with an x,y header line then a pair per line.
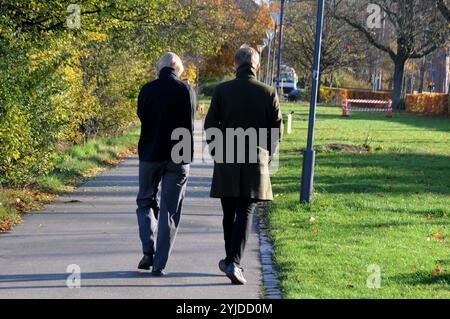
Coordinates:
x,y
190,74
239,24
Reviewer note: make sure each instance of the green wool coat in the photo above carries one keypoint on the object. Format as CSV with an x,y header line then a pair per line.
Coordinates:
x,y
244,103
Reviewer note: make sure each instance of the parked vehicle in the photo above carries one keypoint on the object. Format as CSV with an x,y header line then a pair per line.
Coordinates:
x,y
289,79
294,95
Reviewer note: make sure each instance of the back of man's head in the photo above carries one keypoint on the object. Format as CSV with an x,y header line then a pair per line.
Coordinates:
x,y
170,60
246,55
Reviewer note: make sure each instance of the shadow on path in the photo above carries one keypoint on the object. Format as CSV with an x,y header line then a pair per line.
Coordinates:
x,y
373,173
96,275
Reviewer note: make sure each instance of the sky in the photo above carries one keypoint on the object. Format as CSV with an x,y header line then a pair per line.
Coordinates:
x,y
259,1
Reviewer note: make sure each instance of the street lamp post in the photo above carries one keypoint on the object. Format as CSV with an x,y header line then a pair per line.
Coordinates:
x,y
276,21
260,49
280,45
309,154
267,44
270,37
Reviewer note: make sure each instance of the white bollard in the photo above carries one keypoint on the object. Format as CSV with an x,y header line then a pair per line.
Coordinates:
x,y
289,123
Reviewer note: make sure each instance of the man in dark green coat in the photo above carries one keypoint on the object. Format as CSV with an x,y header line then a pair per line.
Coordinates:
x,y
247,114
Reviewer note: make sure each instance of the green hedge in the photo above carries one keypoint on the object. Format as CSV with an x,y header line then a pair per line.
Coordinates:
x,y
59,97
29,122
208,85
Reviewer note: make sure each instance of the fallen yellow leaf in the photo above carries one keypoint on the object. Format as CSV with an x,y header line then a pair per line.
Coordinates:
x,y
436,271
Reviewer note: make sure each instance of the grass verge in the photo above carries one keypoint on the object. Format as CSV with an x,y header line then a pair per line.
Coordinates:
x,y
72,167
381,202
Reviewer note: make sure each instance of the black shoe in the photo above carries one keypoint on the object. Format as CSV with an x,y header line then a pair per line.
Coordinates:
x,y
223,266
145,263
235,274
158,272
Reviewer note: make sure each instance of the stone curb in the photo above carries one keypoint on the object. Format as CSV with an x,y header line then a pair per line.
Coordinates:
x,y
269,275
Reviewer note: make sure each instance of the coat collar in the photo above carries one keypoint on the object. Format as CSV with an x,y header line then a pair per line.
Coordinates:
x,y
246,71
168,73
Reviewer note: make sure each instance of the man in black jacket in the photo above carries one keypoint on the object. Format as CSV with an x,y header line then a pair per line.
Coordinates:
x,y
164,105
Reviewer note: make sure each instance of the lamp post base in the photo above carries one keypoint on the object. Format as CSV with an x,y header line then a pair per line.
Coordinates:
x,y
309,158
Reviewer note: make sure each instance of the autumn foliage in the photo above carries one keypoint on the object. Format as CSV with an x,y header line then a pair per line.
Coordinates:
x,y
238,24
437,104
62,86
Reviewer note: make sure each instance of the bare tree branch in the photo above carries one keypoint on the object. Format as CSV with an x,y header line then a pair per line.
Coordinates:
x,y
368,35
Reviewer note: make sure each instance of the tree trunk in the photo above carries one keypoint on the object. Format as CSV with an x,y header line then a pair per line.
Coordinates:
x,y
422,75
398,82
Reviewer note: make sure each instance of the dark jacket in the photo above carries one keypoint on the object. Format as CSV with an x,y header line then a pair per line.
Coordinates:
x,y
164,105
244,103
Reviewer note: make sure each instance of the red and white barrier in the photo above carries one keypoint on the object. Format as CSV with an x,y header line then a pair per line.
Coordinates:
x,y
346,106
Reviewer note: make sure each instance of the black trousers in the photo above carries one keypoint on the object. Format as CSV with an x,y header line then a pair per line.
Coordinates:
x,y
237,223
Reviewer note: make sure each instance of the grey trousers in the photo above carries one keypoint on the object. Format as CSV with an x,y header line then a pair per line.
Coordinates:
x,y
158,235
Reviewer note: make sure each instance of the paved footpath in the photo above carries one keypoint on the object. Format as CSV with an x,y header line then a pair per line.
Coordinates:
x,y
96,229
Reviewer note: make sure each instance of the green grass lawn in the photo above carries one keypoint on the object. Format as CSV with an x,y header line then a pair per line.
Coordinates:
x,y
388,206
